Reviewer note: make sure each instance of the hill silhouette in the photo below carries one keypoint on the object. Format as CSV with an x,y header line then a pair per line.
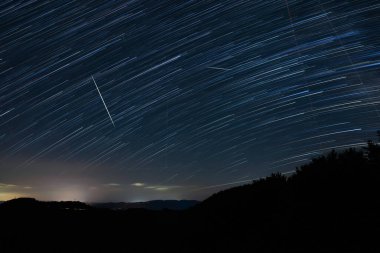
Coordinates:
x,y
33,204
331,204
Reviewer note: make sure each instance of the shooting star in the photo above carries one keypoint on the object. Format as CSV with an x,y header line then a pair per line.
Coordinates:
x,y
103,101
218,68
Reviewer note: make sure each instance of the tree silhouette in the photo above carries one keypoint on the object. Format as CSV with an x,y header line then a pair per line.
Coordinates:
x,y
372,151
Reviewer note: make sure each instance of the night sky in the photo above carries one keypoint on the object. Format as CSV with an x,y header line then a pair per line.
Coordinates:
x,y
192,96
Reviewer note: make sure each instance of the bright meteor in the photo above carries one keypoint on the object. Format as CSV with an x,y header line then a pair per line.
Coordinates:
x,y
100,94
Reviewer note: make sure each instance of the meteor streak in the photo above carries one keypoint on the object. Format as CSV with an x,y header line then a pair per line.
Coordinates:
x,y
100,94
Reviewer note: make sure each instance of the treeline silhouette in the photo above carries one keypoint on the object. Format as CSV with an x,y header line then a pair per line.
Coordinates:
x,y
331,204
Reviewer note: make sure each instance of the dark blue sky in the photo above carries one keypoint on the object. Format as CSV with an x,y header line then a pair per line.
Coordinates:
x,y
203,94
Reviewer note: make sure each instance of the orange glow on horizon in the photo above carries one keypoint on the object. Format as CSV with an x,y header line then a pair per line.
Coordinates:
x,y
5,196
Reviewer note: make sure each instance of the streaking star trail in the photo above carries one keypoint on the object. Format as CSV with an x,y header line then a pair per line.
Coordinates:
x,y
218,68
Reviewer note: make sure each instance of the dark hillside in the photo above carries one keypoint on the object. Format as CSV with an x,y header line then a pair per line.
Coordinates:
x,y
331,204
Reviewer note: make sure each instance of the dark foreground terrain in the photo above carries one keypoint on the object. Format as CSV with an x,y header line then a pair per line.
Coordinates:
x,y
329,205
150,205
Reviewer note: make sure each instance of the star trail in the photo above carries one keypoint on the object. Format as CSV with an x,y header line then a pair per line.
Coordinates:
x,y
190,96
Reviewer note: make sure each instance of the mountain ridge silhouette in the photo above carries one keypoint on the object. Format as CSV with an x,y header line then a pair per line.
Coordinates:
x,y
328,205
